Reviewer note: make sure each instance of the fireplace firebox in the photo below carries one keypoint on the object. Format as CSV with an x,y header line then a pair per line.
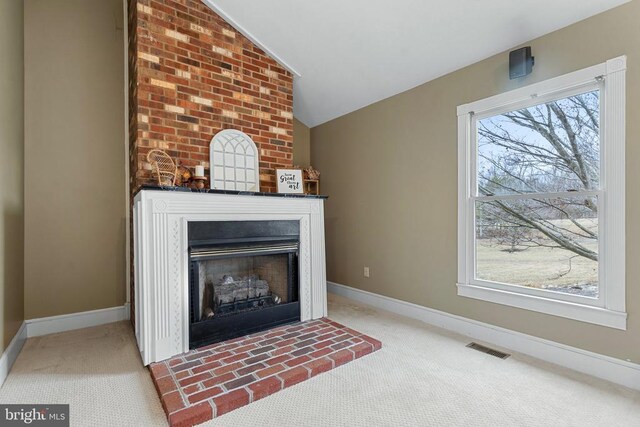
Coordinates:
x,y
243,278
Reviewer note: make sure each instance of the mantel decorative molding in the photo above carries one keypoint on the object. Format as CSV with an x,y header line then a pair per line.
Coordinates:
x,y
161,258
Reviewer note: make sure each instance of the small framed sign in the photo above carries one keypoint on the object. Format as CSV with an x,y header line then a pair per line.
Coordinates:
x,y
289,181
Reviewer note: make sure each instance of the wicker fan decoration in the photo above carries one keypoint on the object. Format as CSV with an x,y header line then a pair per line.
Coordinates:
x,y
164,167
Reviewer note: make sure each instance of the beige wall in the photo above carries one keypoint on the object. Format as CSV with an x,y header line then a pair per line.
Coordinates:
x,y
75,199
11,169
390,173
301,144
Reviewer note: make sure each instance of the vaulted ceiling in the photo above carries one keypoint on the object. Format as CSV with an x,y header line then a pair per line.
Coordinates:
x,y
351,53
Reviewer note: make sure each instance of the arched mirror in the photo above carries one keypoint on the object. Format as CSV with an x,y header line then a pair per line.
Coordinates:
x,y
233,158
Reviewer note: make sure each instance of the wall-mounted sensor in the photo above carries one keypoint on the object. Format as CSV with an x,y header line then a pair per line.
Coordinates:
x,y
520,62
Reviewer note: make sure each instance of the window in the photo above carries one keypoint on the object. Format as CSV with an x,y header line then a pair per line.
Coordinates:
x,y
234,161
541,196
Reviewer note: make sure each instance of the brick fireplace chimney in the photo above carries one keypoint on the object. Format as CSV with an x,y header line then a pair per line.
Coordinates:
x,y
191,75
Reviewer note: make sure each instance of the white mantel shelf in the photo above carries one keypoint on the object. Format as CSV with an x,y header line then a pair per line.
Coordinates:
x,y
161,258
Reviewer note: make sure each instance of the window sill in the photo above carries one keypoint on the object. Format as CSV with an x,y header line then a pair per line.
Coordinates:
x,y
570,310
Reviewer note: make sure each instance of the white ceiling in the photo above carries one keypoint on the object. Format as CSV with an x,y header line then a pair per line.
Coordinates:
x,y
352,53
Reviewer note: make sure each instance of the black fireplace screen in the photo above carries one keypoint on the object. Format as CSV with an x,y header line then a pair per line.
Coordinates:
x,y
244,278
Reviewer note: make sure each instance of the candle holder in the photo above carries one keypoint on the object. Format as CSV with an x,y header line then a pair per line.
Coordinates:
x,y
199,181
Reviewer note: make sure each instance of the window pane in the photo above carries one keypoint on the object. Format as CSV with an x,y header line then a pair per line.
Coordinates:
x,y
546,148
547,244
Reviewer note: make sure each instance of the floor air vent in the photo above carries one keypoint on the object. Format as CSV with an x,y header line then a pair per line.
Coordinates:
x,y
492,352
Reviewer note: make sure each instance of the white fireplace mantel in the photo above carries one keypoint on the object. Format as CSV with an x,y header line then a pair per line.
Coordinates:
x,y
161,258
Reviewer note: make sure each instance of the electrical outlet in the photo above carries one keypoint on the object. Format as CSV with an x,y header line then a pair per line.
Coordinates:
x,y
366,272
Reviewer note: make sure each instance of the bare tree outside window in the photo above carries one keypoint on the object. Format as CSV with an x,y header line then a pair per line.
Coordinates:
x,y
538,177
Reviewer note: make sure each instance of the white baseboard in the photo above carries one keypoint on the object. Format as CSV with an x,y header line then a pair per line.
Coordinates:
x,y
69,322
615,370
49,325
11,353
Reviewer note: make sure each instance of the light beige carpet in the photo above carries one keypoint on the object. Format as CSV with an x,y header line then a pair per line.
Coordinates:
x,y
423,376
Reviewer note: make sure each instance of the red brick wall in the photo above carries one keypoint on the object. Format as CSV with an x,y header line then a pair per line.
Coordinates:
x,y
193,75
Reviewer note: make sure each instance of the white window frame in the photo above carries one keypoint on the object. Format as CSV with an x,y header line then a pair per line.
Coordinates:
x,y
609,308
228,148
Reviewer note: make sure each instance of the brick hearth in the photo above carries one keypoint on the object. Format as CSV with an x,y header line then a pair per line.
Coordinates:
x,y
211,381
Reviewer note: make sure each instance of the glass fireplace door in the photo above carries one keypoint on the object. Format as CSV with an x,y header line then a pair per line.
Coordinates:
x,y
242,285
